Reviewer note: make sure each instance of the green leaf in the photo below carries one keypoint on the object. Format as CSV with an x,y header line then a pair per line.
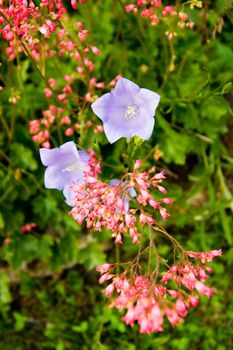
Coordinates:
x,y
80,328
69,247
25,248
226,226
5,295
175,145
22,157
20,321
2,224
227,88
92,255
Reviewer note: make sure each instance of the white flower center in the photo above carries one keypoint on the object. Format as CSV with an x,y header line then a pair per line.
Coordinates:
x,y
131,112
75,166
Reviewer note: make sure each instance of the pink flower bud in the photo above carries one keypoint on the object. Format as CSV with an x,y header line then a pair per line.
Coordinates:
x,y
167,200
69,132
100,85
48,92
172,316
204,290
180,307
109,290
164,213
79,25
154,204
104,267
137,164
105,277
129,317
66,120
46,144
193,300
74,4
95,50
156,3
159,176
118,239
143,219
130,8
129,219
162,189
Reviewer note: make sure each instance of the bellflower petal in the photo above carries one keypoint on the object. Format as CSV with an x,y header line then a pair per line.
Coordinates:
x,y
65,164
54,178
125,86
145,129
100,106
148,99
114,133
47,156
65,154
127,111
69,195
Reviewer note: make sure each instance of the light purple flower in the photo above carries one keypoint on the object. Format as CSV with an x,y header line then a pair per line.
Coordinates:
x,y
126,197
127,111
65,165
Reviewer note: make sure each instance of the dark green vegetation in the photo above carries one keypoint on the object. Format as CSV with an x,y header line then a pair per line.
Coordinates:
x,y
49,293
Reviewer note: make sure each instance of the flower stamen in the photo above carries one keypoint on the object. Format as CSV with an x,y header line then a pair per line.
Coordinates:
x,y
75,166
131,112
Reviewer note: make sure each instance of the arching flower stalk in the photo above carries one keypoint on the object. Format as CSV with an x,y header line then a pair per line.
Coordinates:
x,y
146,287
149,300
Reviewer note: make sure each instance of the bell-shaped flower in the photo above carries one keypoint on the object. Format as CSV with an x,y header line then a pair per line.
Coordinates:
x,y
65,165
127,111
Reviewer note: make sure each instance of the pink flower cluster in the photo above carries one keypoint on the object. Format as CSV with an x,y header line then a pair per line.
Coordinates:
x,y
156,12
15,26
148,303
22,24
45,29
205,256
105,205
21,20
55,118
40,128
28,227
190,276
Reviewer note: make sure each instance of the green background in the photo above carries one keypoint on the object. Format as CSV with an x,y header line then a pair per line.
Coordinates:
x,y
49,292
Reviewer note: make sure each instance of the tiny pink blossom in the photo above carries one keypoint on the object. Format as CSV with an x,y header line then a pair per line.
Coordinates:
x,y
74,4
109,290
180,307
164,213
104,267
48,92
130,7
168,200
105,277
203,289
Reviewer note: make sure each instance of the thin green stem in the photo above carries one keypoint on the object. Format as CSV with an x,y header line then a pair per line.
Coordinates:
x,y
150,249
5,125
118,259
171,238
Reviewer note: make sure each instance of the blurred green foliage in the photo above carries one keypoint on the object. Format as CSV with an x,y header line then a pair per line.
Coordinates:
x,y
49,294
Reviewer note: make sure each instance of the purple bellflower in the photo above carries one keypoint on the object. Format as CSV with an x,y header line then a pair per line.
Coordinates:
x,y
127,111
65,165
126,194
